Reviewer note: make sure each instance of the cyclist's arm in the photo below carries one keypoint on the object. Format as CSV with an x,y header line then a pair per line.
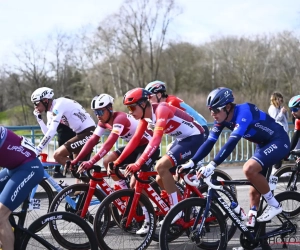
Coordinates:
x,y
117,129
208,145
227,149
50,133
162,115
192,112
133,143
43,126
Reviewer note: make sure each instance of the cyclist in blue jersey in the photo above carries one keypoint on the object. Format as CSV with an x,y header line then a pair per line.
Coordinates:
x,y
248,122
21,172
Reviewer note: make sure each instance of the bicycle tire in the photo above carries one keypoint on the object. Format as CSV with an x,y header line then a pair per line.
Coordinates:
x,y
77,192
228,197
290,202
74,222
45,195
283,181
187,206
117,235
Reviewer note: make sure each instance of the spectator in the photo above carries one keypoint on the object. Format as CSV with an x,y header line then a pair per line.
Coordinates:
x,y
279,113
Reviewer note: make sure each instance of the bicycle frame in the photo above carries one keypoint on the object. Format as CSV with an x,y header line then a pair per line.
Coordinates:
x,y
254,236
104,187
153,196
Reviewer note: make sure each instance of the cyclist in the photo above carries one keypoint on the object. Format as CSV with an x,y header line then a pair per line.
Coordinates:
x,y
294,105
21,172
163,118
66,111
158,90
247,121
121,125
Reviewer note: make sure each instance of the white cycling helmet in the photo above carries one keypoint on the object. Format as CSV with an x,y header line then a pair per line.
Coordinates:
x,y
41,93
101,101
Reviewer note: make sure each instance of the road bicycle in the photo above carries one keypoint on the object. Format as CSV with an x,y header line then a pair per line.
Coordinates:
x,y
42,195
289,175
130,216
206,234
57,230
85,197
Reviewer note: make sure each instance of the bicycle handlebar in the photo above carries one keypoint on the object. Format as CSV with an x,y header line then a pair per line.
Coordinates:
x,y
207,180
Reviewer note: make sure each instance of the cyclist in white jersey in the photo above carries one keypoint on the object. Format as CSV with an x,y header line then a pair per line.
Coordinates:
x,y
66,111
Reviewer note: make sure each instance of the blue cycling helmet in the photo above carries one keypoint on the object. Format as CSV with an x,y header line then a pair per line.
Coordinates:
x,y
219,97
156,87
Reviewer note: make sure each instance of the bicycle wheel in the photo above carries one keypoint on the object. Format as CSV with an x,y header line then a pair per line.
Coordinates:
x,y
227,195
77,233
285,179
213,235
40,202
120,236
290,202
77,193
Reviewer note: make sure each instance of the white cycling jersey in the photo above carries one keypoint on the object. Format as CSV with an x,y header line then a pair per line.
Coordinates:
x,y
68,112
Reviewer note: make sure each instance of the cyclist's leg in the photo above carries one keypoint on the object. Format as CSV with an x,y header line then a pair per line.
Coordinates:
x,y
21,181
112,157
179,153
74,145
255,170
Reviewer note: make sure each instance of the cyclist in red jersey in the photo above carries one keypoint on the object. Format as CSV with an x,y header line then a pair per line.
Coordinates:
x,y
121,125
158,90
294,105
163,118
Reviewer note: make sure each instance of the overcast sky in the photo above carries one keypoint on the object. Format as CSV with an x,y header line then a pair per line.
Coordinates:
x,y
22,20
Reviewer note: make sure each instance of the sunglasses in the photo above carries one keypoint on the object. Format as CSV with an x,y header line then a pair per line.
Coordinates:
x,y
36,104
216,110
99,112
294,109
132,107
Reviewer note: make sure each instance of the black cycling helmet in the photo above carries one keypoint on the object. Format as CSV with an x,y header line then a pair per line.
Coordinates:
x,y
219,97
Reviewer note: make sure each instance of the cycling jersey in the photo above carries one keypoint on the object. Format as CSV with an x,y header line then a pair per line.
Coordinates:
x,y
14,150
254,125
166,119
124,126
22,170
296,136
68,112
177,102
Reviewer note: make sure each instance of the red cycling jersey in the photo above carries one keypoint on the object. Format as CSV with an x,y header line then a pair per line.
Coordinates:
x,y
124,126
174,101
166,119
297,124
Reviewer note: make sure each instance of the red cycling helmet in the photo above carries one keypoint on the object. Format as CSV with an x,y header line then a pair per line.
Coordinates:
x,y
135,96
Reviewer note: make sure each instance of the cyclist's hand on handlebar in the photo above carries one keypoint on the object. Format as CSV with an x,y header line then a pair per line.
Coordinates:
x,y
110,170
131,168
85,165
206,171
189,165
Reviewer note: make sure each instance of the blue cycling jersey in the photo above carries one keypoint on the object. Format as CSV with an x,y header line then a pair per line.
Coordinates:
x,y
249,122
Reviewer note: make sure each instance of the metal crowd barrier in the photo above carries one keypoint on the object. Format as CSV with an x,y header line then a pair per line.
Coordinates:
x,y
243,151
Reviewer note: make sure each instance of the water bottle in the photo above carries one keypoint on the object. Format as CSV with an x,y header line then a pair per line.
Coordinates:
x,y
238,210
252,217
